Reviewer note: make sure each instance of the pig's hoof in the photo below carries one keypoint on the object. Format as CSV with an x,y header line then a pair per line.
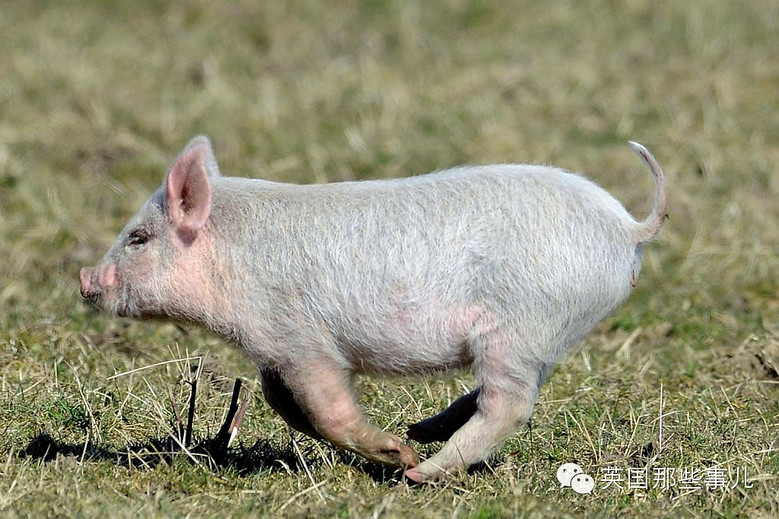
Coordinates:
x,y
401,455
415,476
426,472
408,456
419,475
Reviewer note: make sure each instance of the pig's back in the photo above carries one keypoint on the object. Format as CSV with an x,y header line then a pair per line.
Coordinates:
x,y
504,212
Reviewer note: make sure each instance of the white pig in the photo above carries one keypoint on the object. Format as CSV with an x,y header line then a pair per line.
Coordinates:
x,y
498,268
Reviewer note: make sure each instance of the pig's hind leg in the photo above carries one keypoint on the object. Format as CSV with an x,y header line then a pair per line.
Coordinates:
x,y
323,402
505,400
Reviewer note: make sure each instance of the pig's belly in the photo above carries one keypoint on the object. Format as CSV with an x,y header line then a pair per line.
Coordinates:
x,y
411,345
396,358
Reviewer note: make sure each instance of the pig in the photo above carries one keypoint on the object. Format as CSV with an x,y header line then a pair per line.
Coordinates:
x,y
499,268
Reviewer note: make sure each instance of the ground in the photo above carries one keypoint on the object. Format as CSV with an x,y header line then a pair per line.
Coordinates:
x,y
677,389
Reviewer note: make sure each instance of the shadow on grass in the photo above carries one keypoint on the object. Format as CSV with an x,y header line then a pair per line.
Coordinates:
x,y
213,452
257,458
262,456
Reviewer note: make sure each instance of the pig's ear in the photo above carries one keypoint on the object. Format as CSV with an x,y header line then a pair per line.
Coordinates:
x,y
188,192
203,144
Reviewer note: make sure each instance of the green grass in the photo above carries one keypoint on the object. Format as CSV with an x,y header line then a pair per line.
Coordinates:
x,y
96,99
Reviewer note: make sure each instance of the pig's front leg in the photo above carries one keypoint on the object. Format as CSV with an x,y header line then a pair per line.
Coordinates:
x,y
322,391
282,400
442,426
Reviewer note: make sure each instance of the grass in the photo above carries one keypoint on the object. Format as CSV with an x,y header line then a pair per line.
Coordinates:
x,y
96,99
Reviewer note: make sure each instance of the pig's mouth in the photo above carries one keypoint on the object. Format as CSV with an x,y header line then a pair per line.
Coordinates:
x,y
99,301
92,301
110,303
101,290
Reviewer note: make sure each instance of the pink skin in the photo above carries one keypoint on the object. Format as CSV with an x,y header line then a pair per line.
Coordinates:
x,y
95,281
141,276
330,405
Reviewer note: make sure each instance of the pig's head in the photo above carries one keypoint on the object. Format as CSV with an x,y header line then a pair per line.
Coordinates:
x,y
161,262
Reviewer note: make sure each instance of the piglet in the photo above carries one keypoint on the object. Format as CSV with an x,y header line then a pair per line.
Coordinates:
x,y
498,268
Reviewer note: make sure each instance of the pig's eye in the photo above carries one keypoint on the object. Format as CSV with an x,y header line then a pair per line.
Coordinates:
x,y
137,238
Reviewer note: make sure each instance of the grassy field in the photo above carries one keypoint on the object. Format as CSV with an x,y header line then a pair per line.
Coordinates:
x,y
97,98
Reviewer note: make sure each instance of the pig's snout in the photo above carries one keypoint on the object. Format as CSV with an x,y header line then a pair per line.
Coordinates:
x,y
94,280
